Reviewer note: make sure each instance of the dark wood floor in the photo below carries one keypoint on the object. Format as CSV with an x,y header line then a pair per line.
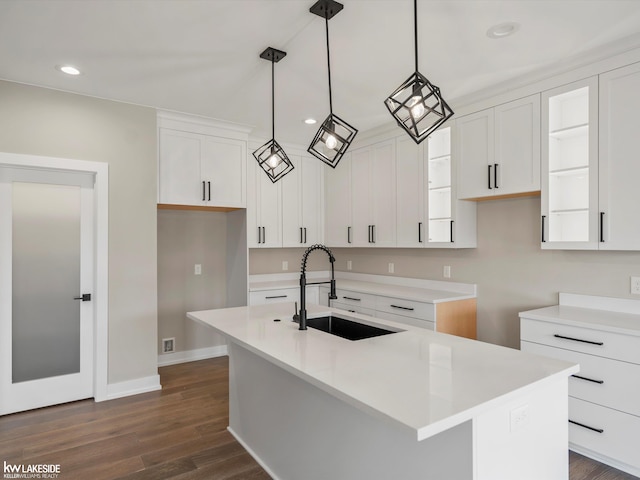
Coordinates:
x,y
178,433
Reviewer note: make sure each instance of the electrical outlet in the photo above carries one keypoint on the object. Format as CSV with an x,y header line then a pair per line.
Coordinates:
x,y
392,267
635,285
519,418
168,345
349,264
446,271
285,265
197,270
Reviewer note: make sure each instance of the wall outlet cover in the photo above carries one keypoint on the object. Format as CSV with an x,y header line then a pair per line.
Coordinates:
x,y
168,345
635,285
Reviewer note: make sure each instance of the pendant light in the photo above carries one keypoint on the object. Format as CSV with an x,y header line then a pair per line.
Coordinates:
x,y
334,135
417,104
270,156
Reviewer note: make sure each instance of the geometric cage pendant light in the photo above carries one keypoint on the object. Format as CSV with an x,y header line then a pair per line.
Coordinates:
x,y
270,156
417,104
334,135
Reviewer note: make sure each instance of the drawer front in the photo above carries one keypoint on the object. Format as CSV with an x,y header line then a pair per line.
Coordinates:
x,y
355,298
274,296
406,320
406,308
353,308
618,439
579,339
607,382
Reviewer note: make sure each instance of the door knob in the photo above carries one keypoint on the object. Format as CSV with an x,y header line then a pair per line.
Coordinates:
x,y
86,297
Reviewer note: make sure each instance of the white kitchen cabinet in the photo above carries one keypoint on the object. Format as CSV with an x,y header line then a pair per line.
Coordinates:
x,y
569,185
201,170
302,203
498,150
337,200
264,209
428,213
602,335
373,195
261,297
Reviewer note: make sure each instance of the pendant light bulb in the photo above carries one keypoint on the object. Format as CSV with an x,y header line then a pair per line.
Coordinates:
x,y
274,161
331,142
416,107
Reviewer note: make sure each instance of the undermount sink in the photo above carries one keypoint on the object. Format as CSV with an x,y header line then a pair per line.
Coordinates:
x,y
348,329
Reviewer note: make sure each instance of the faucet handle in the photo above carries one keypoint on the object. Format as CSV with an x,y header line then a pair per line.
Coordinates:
x,y
296,317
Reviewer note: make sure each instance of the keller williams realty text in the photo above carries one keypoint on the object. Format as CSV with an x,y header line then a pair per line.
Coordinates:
x,y
31,471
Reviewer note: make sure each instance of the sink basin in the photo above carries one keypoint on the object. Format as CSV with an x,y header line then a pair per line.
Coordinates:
x,y
348,329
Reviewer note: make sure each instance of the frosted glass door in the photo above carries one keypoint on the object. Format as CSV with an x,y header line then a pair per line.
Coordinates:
x,y
46,262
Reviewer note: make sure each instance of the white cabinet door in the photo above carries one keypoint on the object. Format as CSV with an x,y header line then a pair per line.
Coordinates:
x,y
517,147
475,151
569,170
383,194
338,229
264,209
302,203
361,217
223,170
180,182
410,188
619,163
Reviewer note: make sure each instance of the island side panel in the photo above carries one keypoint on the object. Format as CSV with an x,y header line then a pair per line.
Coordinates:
x,y
295,430
457,318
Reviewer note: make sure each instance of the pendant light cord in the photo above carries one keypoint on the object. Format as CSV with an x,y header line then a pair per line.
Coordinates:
x,y
415,30
273,97
326,20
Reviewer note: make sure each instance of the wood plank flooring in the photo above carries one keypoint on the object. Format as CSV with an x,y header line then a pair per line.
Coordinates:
x,y
178,433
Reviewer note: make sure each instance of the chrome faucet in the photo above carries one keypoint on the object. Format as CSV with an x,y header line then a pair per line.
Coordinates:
x,y
301,317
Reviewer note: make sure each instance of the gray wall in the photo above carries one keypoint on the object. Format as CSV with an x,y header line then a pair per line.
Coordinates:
x,y
46,122
512,272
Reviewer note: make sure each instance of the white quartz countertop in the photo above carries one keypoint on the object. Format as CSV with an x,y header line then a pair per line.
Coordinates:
x,y
422,380
417,294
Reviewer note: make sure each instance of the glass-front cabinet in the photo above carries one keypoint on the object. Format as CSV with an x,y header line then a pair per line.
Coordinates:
x,y
569,183
439,186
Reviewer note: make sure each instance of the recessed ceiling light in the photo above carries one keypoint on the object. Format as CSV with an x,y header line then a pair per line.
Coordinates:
x,y
503,30
310,121
68,69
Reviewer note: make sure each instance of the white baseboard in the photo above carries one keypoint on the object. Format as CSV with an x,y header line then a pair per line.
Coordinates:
x,y
191,355
250,451
133,387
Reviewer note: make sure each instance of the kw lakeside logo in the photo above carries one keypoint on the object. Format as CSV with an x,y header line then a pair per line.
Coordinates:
x,y
31,471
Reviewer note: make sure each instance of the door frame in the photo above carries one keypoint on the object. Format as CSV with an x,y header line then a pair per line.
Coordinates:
x,y
100,299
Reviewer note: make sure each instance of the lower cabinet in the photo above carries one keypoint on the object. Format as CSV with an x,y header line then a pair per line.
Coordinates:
x,y
261,297
604,397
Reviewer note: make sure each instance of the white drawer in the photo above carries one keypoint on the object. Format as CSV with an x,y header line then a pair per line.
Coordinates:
x,y
581,339
618,439
620,387
406,320
355,298
407,308
274,296
353,308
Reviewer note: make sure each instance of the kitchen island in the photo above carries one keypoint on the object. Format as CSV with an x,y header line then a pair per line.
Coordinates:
x,y
414,404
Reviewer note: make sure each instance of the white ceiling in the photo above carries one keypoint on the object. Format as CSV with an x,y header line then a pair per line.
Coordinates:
x,y
202,56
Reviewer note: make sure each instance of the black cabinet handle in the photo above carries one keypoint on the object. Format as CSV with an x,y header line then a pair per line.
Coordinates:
x,y
489,178
301,235
209,185
543,219
599,430
602,227
264,235
275,296
305,234
451,231
403,308
588,379
351,298
369,233
348,234
203,187
578,340
85,297
495,175
373,234
259,236
419,232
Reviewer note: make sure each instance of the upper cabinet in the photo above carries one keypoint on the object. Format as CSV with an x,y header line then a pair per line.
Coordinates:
x,y
498,150
338,229
264,209
201,165
590,172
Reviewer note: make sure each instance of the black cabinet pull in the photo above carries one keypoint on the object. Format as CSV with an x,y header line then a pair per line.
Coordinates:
x,y
305,234
489,177
588,379
495,175
578,340
543,218
419,232
351,298
203,187
264,235
403,308
259,236
301,235
209,185
275,296
602,227
369,233
451,231
348,234
599,430
373,234
85,297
